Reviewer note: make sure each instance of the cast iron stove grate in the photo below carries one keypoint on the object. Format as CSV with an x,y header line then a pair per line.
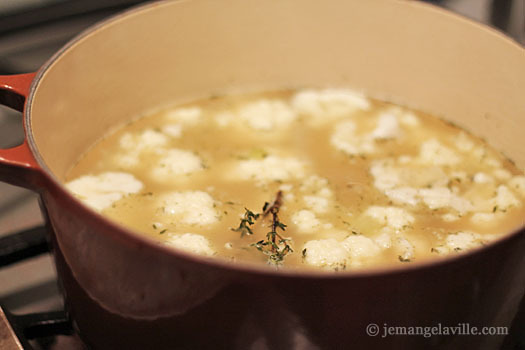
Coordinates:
x,y
17,330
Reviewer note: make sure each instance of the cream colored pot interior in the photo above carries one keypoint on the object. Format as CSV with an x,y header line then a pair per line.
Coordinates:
x,y
404,51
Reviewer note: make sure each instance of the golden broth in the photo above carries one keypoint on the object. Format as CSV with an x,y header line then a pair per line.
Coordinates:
x,y
363,182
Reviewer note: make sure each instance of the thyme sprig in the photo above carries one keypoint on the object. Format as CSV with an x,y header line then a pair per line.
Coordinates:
x,y
247,220
275,246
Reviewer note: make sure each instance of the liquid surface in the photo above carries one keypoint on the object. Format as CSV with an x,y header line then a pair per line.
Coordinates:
x,y
349,182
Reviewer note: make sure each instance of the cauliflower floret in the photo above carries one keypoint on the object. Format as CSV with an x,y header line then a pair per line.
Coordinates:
x,y
387,127
482,178
345,139
327,253
386,176
173,130
317,193
403,195
317,185
432,152
223,119
518,184
316,203
101,191
390,216
361,247
384,239
450,217
133,145
505,198
185,115
313,182
189,207
191,242
404,249
148,139
405,118
176,162
442,197
306,221
267,114
463,241
459,241
408,118
484,218
329,103
463,142
271,168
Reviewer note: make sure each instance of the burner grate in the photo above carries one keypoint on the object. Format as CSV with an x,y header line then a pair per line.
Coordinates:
x,y
16,331
23,245
28,327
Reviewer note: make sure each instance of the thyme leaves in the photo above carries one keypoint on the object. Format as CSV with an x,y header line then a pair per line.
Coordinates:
x,y
247,220
275,246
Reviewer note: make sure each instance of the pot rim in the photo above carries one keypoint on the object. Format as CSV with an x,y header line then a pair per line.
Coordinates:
x,y
122,233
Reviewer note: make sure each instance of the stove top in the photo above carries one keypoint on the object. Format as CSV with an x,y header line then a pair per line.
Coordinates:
x,y
30,32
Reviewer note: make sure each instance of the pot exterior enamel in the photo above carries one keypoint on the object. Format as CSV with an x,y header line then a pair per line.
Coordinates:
x,y
126,292
275,312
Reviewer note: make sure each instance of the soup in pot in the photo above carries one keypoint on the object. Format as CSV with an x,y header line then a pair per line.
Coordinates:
x,y
323,179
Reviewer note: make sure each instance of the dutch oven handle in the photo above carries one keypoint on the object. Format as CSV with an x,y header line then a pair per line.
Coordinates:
x,y
17,165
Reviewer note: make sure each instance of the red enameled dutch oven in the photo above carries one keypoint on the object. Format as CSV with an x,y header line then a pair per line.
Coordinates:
x,y
125,291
